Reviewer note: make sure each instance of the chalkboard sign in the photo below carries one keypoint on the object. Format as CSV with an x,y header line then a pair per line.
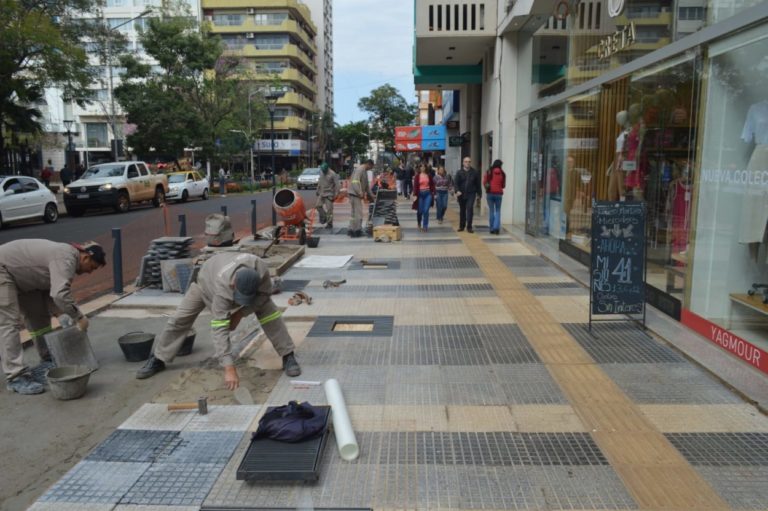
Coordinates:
x,y
617,278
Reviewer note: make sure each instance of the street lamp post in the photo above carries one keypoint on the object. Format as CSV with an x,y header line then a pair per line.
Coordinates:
x,y
251,140
68,153
112,108
309,140
272,97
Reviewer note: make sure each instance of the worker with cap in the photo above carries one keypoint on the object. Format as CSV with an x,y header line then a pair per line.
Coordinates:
x,y
358,188
35,279
231,285
327,191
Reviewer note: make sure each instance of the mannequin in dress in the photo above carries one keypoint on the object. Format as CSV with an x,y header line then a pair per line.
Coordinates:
x,y
754,218
615,174
632,161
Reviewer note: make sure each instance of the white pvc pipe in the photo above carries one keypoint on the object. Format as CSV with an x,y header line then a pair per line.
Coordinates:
x,y
342,426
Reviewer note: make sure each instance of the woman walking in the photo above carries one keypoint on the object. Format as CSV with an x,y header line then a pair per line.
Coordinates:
x,y
443,184
494,182
424,190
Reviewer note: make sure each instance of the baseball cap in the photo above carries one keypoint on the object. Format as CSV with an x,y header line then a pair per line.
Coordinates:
x,y
323,166
94,250
246,286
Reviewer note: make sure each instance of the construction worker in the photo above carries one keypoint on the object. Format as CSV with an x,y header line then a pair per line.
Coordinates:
x,y
34,273
231,285
358,188
327,191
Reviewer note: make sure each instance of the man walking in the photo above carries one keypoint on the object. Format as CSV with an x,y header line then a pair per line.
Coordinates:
x,y
231,285
400,176
358,188
468,189
327,191
33,273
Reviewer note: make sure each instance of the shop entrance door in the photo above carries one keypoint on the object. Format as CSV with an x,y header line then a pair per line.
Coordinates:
x,y
534,215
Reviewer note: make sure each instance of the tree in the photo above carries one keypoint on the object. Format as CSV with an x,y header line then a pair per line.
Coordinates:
x,y
39,47
194,97
386,109
352,138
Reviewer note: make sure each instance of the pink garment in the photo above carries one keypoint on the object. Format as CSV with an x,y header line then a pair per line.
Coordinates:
x,y
681,208
423,181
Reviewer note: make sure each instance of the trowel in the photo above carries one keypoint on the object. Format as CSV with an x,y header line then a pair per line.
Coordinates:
x,y
243,396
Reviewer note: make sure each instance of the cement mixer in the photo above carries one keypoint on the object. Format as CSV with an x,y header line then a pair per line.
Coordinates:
x,y
293,221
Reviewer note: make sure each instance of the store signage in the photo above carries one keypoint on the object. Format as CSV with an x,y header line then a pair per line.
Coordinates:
x,y
619,40
404,145
433,132
455,141
726,340
408,133
280,145
452,125
433,145
420,138
617,269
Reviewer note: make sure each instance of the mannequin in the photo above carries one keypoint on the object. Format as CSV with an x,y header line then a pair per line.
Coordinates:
x,y
633,163
615,172
679,207
754,218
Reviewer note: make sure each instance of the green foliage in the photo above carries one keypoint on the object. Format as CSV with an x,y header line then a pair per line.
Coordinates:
x,y
39,47
195,97
352,137
387,109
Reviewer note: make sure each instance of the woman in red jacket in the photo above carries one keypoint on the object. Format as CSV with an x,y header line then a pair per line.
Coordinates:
x,y
494,182
424,190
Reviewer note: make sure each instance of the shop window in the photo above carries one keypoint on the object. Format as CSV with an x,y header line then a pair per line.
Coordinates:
x,y
96,134
730,243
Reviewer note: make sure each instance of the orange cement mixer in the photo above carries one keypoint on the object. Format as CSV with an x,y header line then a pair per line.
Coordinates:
x,y
294,223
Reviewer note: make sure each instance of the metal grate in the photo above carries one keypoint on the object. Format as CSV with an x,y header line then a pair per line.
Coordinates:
x,y
390,264
323,327
722,449
269,460
441,263
524,261
249,508
172,484
553,285
291,286
621,343
135,445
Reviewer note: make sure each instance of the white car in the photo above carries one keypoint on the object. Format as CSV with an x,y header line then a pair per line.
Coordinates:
x,y
308,178
22,198
183,185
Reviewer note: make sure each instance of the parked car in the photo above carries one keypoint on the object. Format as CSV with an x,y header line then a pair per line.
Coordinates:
x,y
183,185
308,178
23,198
117,185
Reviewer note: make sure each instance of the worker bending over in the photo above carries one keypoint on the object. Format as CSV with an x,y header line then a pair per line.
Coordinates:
x,y
231,285
35,279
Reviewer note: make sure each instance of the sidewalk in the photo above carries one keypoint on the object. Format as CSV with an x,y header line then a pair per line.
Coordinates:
x,y
478,388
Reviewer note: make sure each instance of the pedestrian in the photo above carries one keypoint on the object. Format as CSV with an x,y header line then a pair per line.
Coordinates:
x,y
494,181
400,175
35,274
408,188
327,191
424,191
468,189
222,182
79,171
443,185
232,286
358,188
46,174
65,175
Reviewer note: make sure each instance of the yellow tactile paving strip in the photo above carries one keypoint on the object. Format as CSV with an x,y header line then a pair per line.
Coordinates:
x,y
653,471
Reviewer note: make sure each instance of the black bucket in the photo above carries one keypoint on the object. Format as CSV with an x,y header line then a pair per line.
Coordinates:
x,y
186,346
136,346
313,241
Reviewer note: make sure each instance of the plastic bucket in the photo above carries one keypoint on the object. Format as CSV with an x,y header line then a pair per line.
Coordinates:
x,y
186,346
136,346
289,206
68,382
313,241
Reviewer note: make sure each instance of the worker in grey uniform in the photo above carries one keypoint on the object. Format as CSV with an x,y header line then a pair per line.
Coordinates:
x,y
358,188
327,191
231,285
36,278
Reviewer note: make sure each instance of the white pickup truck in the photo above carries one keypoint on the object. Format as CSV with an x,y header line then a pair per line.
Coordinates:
x,y
116,185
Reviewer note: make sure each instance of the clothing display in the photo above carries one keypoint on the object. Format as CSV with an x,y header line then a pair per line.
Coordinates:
x,y
680,194
634,163
756,124
754,209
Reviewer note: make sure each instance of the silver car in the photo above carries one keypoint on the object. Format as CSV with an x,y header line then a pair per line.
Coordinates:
x,y
22,198
308,178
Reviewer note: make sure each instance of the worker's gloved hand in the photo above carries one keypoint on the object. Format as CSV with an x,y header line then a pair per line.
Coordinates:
x,y
231,378
83,324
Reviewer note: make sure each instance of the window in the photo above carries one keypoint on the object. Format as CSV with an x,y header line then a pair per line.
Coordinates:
x,y
122,24
96,134
12,184
143,170
228,19
270,42
691,13
101,95
141,24
270,18
28,185
233,42
132,172
117,3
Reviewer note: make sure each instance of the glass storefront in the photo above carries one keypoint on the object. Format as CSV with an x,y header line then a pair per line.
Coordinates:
x,y
730,247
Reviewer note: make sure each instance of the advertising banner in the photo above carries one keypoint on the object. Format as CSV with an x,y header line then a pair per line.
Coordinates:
x,y
433,132
404,133
433,145
401,145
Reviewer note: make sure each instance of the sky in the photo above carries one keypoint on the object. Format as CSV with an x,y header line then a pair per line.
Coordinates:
x,y
372,45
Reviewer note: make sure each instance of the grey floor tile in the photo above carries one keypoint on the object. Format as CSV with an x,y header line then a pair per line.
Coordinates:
x,y
134,445
742,487
722,449
622,343
95,482
202,447
174,484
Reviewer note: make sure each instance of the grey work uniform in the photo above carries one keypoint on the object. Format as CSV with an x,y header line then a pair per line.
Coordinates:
x,y
213,290
33,273
358,188
327,190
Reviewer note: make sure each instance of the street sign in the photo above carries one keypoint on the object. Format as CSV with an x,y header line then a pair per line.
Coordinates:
x,y
455,141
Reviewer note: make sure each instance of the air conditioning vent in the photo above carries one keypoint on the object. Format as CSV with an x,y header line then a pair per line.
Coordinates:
x,y
251,10
250,35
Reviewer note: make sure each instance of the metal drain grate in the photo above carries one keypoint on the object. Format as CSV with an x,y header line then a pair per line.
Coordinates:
x,y
324,326
524,261
269,460
441,263
135,445
553,285
375,264
722,449
621,343
241,508
291,286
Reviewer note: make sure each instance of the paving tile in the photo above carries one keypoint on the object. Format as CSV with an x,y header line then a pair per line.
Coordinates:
x,y
174,484
224,418
95,482
528,384
134,445
622,343
68,506
727,418
742,487
546,418
155,416
138,507
722,449
202,447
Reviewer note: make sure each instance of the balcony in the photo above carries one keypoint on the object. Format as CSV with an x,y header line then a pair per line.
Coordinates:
x,y
299,10
288,50
291,123
294,99
287,26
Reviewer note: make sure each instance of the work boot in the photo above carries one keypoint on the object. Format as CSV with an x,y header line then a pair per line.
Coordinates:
x,y
152,367
329,225
291,365
39,372
25,385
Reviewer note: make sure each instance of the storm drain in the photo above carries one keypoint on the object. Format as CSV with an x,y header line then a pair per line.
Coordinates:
x,y
355,326
377,264
270,460
621,343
